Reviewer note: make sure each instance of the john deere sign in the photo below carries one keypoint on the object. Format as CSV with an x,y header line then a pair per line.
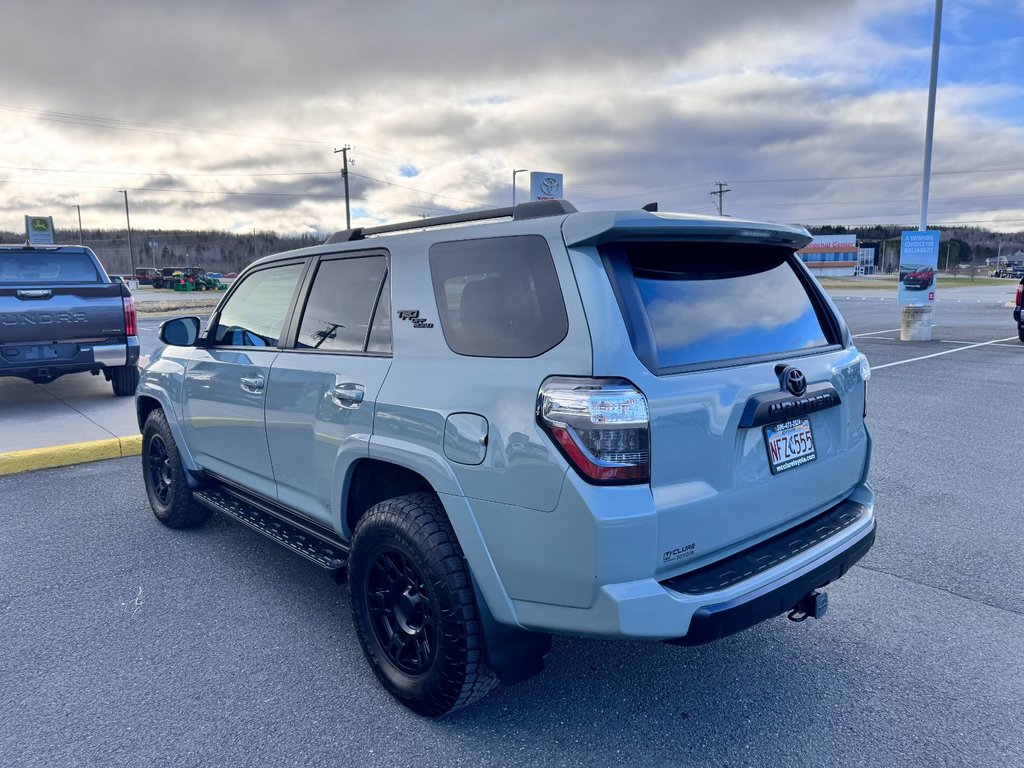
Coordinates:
x,y
39,230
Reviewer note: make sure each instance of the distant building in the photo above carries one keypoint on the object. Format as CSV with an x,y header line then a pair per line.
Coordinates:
x,y
869,258
833,256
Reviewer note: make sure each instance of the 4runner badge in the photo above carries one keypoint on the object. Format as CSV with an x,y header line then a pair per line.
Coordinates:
x,y
413,316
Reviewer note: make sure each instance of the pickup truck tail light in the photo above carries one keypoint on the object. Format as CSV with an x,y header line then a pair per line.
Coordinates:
x,y
131,324
602,426
1020,294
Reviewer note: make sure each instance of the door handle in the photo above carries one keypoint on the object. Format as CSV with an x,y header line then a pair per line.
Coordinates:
x,y
253,384
347,395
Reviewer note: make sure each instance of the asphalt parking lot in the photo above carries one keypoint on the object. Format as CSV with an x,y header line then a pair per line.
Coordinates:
x,y
125,643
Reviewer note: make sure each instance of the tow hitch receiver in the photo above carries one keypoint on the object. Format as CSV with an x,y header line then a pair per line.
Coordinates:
x,y
812,605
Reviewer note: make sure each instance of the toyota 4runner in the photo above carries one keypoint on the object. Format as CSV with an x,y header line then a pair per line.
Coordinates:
x,y
512,423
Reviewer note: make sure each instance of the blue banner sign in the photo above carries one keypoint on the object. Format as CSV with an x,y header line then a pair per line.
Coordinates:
x,y
919,262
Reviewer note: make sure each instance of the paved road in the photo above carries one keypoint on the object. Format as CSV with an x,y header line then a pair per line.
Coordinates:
x,y
124,643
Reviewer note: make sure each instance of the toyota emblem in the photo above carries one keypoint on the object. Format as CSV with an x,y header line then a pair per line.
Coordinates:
x,y
793,379
549,185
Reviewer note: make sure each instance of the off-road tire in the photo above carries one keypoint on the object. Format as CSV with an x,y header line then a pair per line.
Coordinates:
x,y
124,379
434,582
170,496
1020,332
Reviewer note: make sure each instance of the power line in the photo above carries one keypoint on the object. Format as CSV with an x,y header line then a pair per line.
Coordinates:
x,y
801,203
880,176
316,196
143,127
165,173
175,174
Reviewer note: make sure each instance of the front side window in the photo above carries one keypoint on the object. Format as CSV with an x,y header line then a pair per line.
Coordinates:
x,y
341,304
498,296
255,313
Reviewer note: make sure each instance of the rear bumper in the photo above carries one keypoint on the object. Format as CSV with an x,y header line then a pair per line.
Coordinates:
x,y
51,361
725,597
712,622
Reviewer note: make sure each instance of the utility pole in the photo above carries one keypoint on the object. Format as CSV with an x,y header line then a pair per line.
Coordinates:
x,y
516,171
81,240
131,254
344,175
720,193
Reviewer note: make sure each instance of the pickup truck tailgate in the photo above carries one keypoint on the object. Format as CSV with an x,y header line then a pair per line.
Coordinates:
x,y
32,314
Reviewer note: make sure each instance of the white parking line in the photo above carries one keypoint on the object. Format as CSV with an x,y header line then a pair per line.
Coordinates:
x,y
938,354
872,333
991,343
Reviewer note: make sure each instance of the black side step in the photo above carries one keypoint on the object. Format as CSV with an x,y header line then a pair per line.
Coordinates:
x,y
299,536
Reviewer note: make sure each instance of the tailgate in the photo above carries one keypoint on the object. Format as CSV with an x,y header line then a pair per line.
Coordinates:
x,y
712,464
46,314
756,403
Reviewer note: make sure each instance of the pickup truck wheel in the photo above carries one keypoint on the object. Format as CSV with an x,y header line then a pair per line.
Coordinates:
x,y
169,493
125,379
1020,332
414,608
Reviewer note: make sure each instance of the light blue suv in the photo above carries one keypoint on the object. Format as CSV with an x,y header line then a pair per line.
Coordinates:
x,y
525,421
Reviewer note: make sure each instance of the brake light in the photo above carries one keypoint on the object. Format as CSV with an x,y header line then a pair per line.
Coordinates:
x,y
601,425
1020,295
131,325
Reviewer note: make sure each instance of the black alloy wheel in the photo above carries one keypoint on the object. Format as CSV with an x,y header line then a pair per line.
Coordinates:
x,y
401,613
159,467
414,606
168,490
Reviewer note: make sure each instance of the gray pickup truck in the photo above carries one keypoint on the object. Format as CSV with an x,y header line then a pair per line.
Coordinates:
x,y
60,313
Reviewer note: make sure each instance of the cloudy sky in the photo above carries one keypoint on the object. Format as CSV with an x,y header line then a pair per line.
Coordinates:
x,y
225,114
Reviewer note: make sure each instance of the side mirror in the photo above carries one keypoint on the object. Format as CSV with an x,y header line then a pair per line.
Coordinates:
x,y
180,332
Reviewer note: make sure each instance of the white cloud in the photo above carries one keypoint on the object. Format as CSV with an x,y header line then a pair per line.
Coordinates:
x,y
653,103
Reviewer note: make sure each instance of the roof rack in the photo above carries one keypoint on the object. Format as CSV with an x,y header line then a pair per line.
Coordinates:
x,y
536,209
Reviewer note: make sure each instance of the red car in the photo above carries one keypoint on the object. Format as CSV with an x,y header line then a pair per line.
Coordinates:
x,y
919,277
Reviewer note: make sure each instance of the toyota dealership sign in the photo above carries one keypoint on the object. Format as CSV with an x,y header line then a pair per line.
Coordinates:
x,y
546,186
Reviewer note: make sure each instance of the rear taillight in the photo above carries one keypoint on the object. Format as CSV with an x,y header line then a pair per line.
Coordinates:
x,y
131,325
1020,295
601,425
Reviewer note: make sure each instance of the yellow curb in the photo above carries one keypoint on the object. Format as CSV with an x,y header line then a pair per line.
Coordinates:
x,y
14,462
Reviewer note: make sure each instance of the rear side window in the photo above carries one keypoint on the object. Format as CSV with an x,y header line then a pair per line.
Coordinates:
x,y
46,267
341,305
498,297
708,302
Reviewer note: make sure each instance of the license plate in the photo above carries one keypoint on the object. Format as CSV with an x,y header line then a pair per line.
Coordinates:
x,y
790,444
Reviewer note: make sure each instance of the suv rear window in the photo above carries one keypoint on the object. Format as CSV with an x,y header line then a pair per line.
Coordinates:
x,y
709,302
498,296
46,267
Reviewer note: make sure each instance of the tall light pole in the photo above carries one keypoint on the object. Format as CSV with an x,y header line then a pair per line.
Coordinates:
x,y
930,129
131,254
915,320
344,175
514,174
81,239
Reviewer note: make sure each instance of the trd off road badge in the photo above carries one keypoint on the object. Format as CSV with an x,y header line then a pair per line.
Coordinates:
x,y
413,316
